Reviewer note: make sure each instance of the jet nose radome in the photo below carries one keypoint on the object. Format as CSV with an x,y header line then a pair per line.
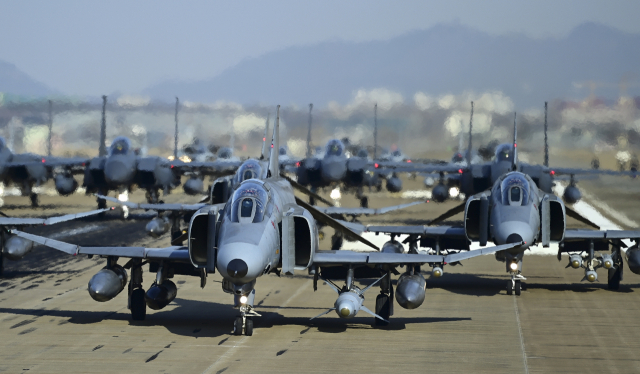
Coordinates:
x,y
241,262
237,268
514,232
117,172
333,171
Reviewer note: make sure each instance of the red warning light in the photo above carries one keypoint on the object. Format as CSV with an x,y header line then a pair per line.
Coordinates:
x,y
515,145
552,172
43,160
409,161
376,165
171,166
460,171
298,164
264,139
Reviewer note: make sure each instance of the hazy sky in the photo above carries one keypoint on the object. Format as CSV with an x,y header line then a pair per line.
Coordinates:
x,y
90,48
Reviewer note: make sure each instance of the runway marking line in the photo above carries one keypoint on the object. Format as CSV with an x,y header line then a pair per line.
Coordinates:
x,y
524,353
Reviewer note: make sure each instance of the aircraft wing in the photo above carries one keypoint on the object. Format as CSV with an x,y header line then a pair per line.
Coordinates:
x,y
342,257
578,171
178,254
364,211
159,207
16,221
416,167
600,235
216,168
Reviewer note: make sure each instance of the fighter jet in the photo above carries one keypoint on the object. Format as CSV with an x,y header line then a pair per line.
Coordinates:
x,y
516,210
475,178
335,168
262,229
15,248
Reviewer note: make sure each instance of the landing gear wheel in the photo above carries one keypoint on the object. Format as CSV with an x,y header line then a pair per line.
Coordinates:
x,y
237,326
34,200
102,203
615,276
138,305
364,202
336,242
509,287
383,309
518,288
248,327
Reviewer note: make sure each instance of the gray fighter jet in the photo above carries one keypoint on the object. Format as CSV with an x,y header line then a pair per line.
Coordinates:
x,y
515,210
263,228
334,168
15,248
474,178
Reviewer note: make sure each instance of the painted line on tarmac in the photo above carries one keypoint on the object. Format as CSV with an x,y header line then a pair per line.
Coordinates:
x,y
524,352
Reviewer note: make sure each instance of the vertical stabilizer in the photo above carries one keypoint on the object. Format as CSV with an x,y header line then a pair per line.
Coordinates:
x,y
546,140
50,127
274,163
470,137
514,160
175,136
309,133
265,148
102,149
375,131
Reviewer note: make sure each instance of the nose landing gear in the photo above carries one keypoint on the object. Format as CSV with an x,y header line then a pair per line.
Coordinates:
x,y
243,324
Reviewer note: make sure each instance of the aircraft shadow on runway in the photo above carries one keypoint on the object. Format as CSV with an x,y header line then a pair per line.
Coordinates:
x,y
490,285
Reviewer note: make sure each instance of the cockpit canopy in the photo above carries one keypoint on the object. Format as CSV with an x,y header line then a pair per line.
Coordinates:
x,y
250,169
504,152
362,153
120,146
515,190
225,153
396,153
248,203
334,148
283,151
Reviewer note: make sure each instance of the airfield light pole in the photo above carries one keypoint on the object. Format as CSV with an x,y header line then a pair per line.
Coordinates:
x,y
309,133
175,143
375,131
546,144
102,150
50,127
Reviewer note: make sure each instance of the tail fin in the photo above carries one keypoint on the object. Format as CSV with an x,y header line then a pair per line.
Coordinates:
x,y
175,136
514,161
309,133
546,141
263,155
274,163
470,137
375,131
50,126
102,149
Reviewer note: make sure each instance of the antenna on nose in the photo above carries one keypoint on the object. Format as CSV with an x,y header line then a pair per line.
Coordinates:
x,y
514,160
265,148
274,163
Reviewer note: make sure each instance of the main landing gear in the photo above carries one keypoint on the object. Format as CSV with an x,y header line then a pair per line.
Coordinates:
x,y
384,302
137,304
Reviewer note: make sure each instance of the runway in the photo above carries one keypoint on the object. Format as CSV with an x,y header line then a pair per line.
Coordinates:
x,y
49,323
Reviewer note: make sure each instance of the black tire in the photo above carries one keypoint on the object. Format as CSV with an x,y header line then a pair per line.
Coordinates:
x,y
1,264
364,202
518,289
248,327
383,309
615,276
509,288
138,305
34,200
102,204
336,242
237,326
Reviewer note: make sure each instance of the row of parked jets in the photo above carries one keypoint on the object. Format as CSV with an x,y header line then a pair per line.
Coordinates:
x,y
252,224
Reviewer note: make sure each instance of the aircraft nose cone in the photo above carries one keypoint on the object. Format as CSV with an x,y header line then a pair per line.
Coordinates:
x,y
514,238
237,268
333,171
116,172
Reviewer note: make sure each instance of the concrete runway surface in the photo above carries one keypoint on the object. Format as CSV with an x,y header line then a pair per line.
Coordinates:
x,y
49,323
